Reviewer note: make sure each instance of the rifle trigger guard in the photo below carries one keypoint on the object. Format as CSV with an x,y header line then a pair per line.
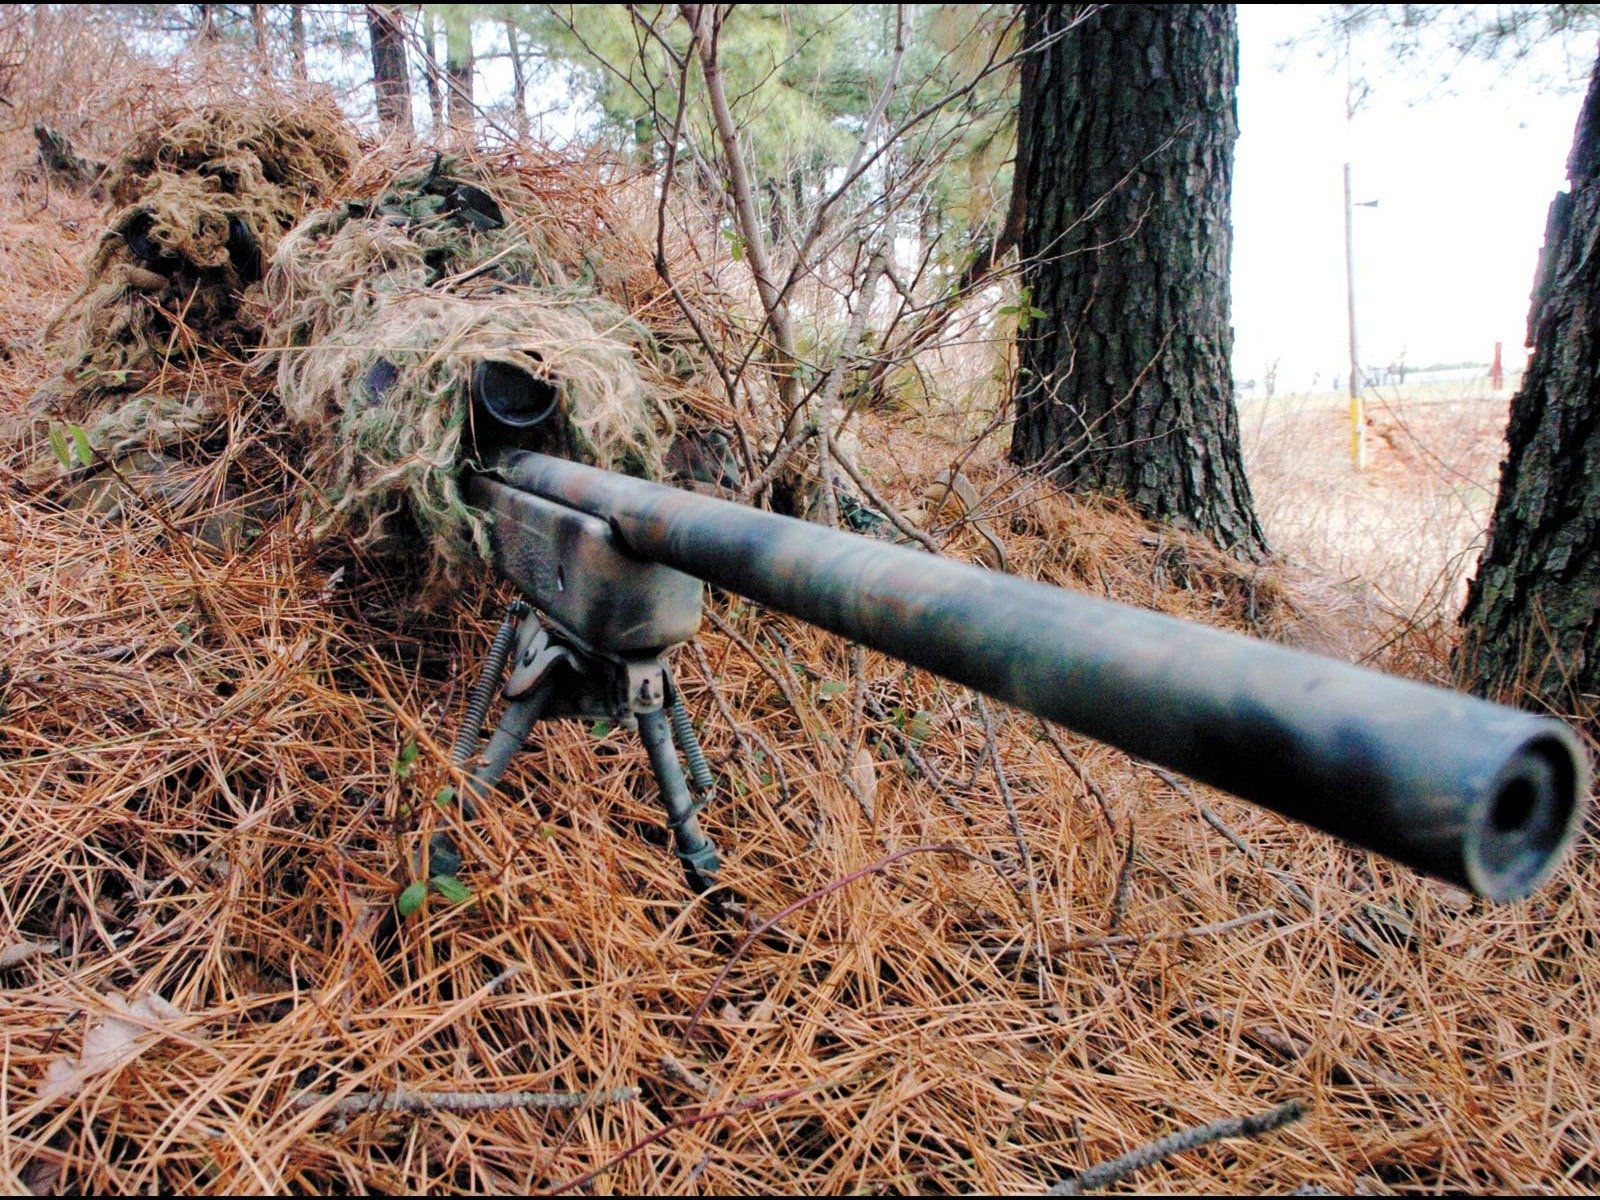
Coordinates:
x,y
537,655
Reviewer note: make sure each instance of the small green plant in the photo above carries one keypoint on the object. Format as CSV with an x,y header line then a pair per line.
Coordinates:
x,y
406,759
70,444
1023,310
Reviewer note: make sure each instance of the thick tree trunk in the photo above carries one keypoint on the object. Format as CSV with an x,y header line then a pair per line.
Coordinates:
x,y
1532,617
1125,152
389,74
458,68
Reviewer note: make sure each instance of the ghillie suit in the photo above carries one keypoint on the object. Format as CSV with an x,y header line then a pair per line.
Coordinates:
x,y
381,312
206,194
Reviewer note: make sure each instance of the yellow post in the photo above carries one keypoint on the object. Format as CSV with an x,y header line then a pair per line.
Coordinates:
x,y
1358,416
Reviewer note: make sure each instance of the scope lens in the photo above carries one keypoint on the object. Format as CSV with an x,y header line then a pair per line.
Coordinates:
x,y
511,396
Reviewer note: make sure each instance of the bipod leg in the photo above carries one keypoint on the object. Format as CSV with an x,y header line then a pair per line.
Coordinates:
x,y
689,842
688,743
515,724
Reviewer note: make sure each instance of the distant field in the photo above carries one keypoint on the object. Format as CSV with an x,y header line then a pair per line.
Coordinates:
x,y
1411,524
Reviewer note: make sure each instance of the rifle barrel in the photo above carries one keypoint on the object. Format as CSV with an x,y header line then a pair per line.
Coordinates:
x,y
1485,796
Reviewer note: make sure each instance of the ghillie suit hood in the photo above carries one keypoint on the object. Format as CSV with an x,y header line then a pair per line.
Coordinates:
x,y
206,194
379,314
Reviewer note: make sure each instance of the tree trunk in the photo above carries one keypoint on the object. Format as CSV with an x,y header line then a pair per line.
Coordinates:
x,y
258,28
1125,153
297,40
458,66
389,74
1532,617
519,80
430,66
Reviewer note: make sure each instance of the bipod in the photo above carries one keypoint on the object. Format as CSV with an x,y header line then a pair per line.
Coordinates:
x,y
555,676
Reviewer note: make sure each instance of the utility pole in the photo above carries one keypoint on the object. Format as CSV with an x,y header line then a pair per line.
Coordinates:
x,y
1358,416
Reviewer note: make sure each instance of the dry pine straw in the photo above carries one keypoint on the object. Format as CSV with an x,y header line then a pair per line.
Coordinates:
x,y
200,801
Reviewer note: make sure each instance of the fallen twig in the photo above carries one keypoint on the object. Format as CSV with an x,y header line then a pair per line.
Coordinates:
x,y
1107,1173
462,1102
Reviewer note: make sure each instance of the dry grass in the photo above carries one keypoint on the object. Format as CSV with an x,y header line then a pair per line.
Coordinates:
x,y
1412,523
206,797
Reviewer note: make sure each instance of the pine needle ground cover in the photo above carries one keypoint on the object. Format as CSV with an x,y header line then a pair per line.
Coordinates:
x,y
219,756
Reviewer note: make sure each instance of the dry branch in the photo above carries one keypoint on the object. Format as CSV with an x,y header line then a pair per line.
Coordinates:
x,y
460,1102
1107,1173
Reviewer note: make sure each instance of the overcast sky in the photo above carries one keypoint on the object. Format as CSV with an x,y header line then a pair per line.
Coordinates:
x,y
1464,174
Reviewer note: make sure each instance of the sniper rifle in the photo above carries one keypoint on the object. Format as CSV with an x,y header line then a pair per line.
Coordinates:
x,y
1481,795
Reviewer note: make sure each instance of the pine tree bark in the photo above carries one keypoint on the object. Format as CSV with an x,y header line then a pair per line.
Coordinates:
x,y
1125,154
1531,625
390,77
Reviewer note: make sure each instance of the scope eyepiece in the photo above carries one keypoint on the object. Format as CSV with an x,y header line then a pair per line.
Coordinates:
x,y
512,398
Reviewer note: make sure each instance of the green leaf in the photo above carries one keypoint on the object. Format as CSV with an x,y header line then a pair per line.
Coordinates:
x,y
452,889
80,441
446,796
58,443
411,899
600,728
408,756
736,244
834,687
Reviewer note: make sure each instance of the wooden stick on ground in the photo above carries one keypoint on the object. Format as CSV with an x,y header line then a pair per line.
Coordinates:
x,y
463,1102
1107,1173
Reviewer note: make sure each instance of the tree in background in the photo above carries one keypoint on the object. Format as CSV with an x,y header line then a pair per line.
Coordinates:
x,y
1531,623
1125,158
459,68
390,77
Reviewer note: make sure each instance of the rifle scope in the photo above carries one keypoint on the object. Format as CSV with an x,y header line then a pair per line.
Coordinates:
x,y
1479,794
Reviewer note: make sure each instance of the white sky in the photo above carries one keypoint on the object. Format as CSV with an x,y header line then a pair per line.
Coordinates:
x,y
1463,178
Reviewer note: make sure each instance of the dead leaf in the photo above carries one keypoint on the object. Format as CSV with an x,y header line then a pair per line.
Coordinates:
x,y
18,953
113,1041
866,776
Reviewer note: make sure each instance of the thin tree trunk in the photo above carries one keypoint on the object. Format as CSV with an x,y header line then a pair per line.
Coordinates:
x,y
390,77
258,26
1531,623
1126,153
519,80
430,65
297,40
459,71
207,25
